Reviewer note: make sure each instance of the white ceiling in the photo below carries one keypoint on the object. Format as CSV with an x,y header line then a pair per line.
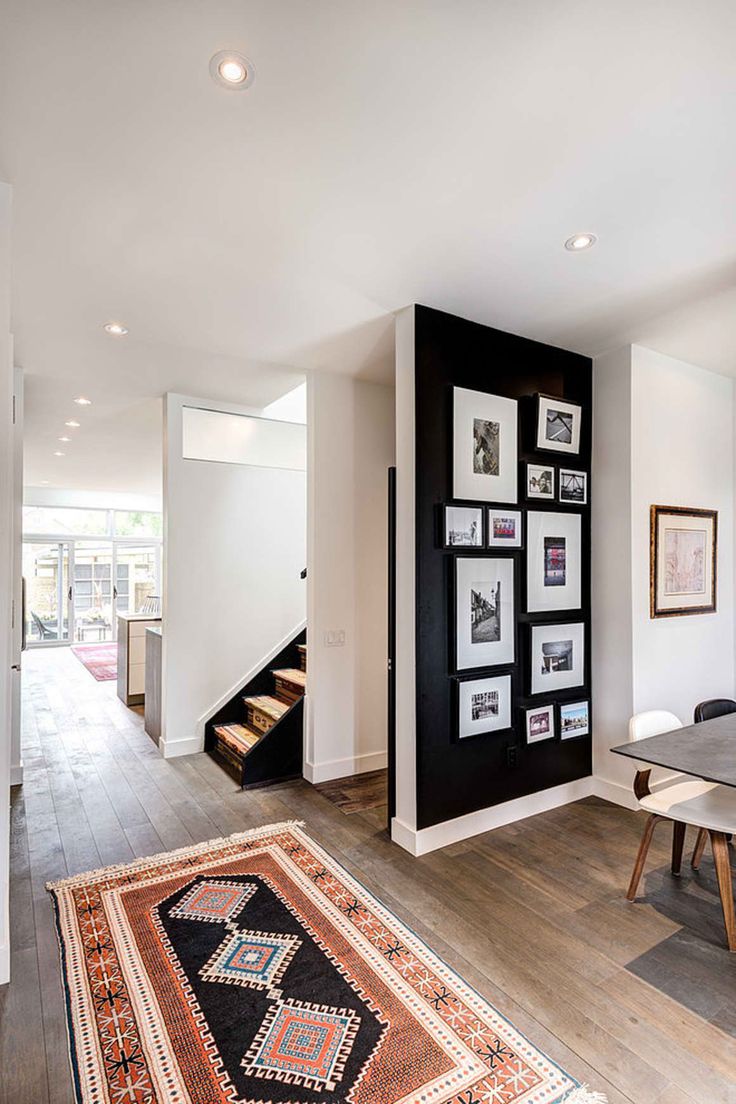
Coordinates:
x,y
437,151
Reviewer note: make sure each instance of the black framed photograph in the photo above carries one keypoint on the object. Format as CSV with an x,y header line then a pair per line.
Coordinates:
x,y
540,482
683,550
484,612
558,425
503,528
540,723
485,446
463,527
557,657
573,486
483,705
553,561
574,720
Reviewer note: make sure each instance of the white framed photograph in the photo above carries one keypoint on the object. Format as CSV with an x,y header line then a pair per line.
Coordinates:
x,y
503,528
573,486
553,561
484,446
574,720
463,527
558,657
483,705
484,612
540,724
540,481
558,425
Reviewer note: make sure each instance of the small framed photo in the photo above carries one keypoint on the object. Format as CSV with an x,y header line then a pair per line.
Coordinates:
x,y
573,486
483,705
503,528
463,527
683,568
540,724
484,611
553,561
574,720
558,657
540,482
558,425
485,447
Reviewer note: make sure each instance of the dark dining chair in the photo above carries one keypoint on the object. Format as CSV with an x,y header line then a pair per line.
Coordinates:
x,y
712,708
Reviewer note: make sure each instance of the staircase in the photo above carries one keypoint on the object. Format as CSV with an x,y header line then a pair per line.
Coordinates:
x,y
258,740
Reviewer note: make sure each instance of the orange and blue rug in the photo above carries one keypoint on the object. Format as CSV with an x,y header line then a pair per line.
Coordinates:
x,y
256,970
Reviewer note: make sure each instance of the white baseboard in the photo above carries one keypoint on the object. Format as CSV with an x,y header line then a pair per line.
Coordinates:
x,y
615,792
188,745
16,774
343,768
420,841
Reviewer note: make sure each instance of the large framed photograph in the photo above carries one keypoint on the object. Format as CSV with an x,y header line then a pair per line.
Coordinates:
x,y
504,528
483,705
553,561
558,425
558,657
484,612
540,482
540,724
463,527
484,446
574,720
573,486
683,561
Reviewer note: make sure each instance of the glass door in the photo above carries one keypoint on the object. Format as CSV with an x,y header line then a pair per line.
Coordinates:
x,y
92,590
136,576
46,571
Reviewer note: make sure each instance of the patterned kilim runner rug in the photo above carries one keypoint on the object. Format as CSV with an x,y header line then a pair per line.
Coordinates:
x,y
101,660
254,969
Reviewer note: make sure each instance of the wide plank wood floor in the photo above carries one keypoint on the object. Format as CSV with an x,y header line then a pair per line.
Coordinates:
x,y
639,1001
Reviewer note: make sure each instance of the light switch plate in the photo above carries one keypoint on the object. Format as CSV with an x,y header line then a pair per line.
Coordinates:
x,y
335,638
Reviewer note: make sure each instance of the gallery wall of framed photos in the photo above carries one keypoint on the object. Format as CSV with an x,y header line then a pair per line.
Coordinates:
x,y
503,448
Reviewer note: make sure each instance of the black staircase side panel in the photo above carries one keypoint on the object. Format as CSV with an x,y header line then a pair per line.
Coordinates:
x,y
278,754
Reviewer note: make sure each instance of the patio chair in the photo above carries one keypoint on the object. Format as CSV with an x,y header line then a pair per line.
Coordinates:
x,y
44,632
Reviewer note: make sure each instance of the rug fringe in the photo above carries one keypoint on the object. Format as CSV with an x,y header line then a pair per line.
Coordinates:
x,y
193,849
583,1095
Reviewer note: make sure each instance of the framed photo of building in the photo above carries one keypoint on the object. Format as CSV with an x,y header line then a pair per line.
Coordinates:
x,y
484,612
558,425
553,561
574,720
573,486
558,657
540,482
463,527
503,528
683,551
540,724
484,447
483,705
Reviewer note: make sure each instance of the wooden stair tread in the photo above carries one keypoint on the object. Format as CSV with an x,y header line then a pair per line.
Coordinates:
x,y
237,736
291,674
301,648
272,707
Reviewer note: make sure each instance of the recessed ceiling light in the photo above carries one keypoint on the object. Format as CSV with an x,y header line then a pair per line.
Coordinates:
x,y
57,453
579,242
117,329
81,401
72,424
65,439
232,70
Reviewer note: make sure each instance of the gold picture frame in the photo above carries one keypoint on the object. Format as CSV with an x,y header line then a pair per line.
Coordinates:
x,y
683,561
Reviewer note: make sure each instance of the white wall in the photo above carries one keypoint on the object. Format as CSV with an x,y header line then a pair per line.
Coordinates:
x,y
234,546
6,568
351,446
99,500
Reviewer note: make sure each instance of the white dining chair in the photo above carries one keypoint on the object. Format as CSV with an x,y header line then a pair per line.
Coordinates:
x,y
704,805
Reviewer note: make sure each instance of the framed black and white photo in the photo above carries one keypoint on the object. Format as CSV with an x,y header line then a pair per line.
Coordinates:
x,y
558,657
483,705
573,486
558,425
683,549
463,527
503,528
540,724
484,446
540,481
553,561
574,720
484,612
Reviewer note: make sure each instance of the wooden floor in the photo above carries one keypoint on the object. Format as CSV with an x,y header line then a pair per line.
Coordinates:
x,y
357,793
639,1001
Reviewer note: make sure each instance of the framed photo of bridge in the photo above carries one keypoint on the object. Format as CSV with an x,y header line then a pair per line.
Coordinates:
x,y
683,553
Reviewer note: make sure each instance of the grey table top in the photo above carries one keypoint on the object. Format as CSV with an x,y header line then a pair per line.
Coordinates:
x,y
706,750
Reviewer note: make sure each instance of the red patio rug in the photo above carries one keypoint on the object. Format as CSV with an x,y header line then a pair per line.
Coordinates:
x,y
256,970
101,660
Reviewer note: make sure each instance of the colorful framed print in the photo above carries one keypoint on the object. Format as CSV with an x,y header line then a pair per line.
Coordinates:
x,y
540,724
558,657
574,720
484,447
483,705
463,527
683,553
573,486
484,612
540,482
558,425
553,561
503,528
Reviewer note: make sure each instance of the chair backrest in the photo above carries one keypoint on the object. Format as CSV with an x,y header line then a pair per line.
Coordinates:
x,y
714,707
651,723
43,631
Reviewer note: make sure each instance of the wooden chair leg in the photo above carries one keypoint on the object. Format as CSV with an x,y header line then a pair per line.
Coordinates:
x,y
699,848
678,843
722,861
641,857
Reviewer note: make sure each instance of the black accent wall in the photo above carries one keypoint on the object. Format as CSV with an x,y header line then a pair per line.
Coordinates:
x,y
458,777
